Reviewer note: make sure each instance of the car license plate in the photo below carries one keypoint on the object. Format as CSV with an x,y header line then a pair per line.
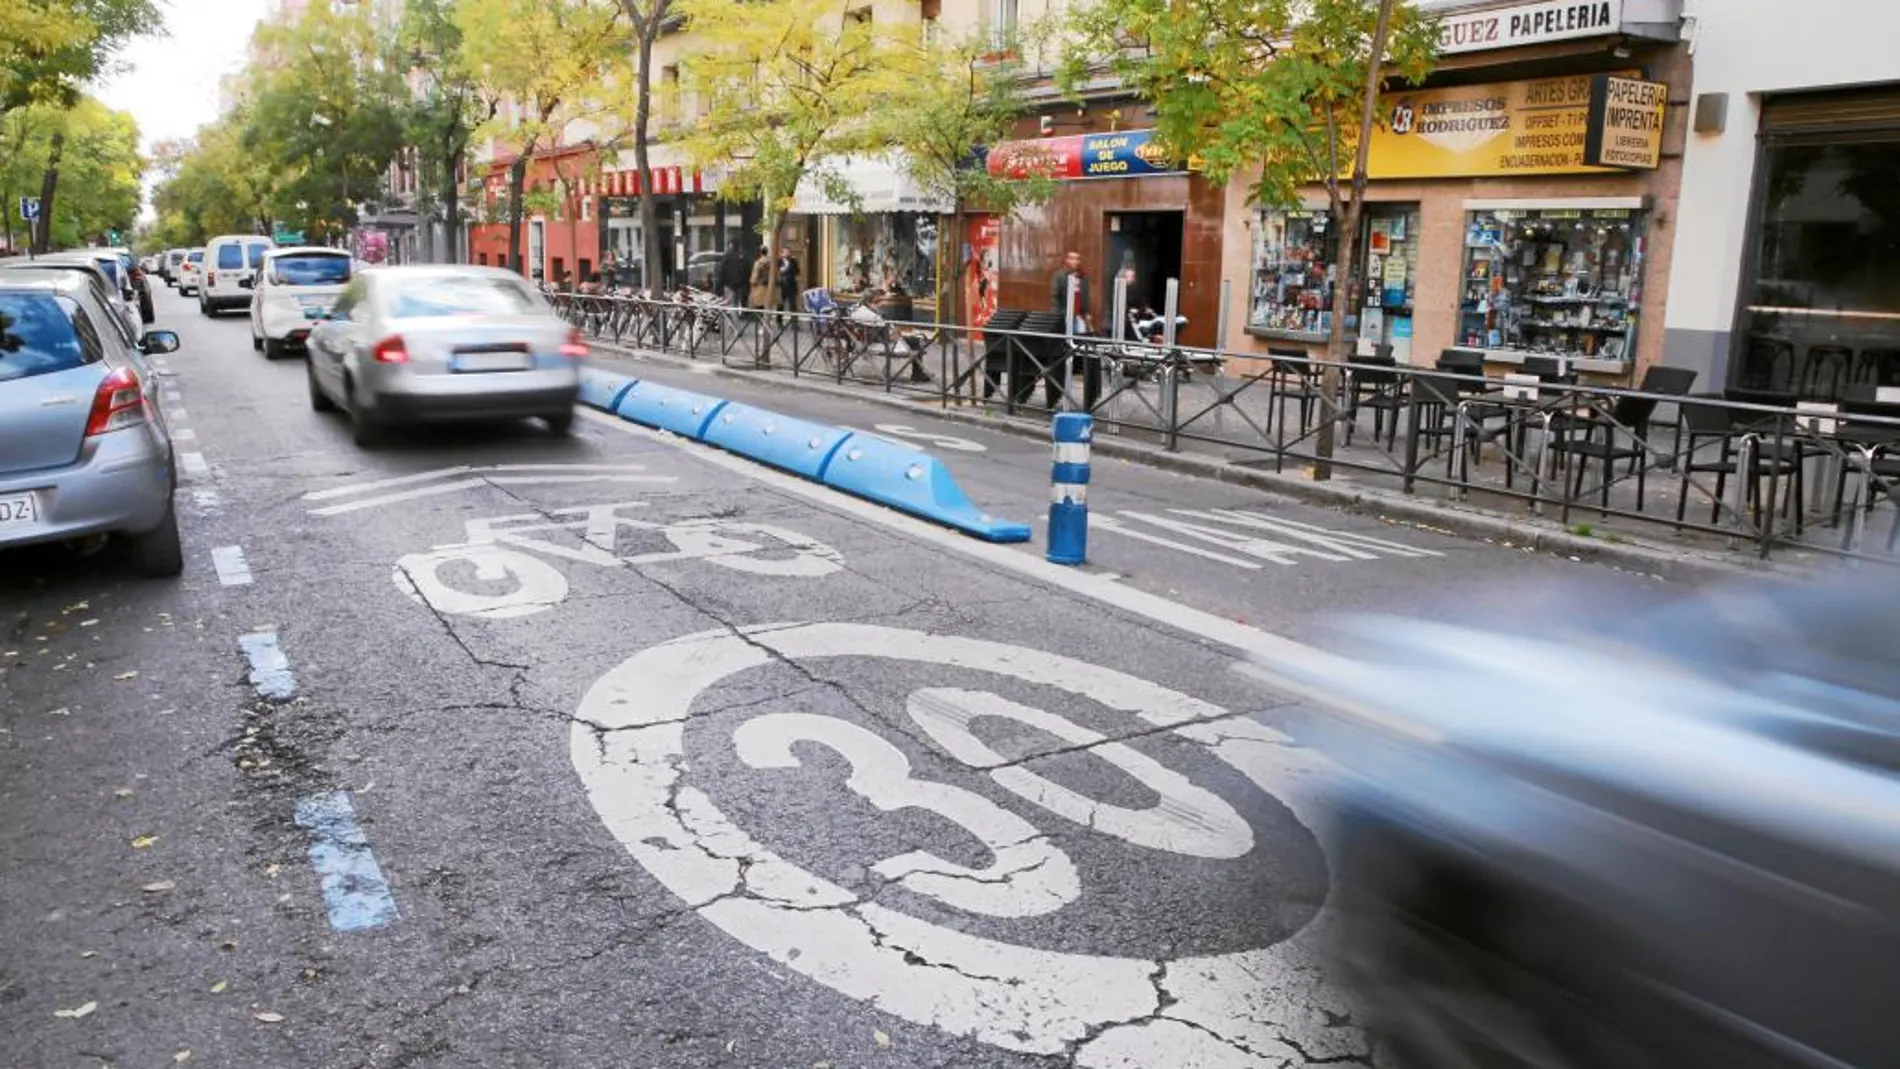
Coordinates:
x,y
18,510
504,361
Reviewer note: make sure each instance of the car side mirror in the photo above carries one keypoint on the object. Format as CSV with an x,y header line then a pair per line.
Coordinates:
x,y
159,341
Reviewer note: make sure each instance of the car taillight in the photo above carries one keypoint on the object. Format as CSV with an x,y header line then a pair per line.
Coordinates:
x,y
390,351
119,403
575,345
211,279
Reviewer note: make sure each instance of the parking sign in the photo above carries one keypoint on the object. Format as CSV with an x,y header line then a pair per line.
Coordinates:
x,y
29,208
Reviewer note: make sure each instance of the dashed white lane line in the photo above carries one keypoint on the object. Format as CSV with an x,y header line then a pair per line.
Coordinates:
x,y
184,434
194,463
270,669
176,415
233,570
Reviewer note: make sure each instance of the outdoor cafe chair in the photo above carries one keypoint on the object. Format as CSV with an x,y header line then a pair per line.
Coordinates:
x,y
1629,417
1704,425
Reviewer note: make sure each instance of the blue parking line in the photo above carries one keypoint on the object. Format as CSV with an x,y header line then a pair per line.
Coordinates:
x,y
270,669
354,890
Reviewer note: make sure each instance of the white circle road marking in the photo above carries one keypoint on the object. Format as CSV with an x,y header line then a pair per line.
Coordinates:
x,y
1249,1008
911,435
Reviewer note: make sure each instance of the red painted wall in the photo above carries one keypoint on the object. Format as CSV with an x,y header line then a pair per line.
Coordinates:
x,y
570,239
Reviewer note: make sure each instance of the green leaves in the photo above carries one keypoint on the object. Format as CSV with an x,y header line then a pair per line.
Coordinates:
x,y
99,169
49,48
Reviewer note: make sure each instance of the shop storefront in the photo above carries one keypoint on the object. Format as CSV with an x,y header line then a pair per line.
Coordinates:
x,y
1820,302
1522,217
1125,209
883,235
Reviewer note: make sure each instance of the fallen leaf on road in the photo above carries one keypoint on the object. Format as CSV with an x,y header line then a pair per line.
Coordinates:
x,y
76,607
273,869
126,675
61,711
882,1039
143,841
78,1012
182,1056
89,953
158,887
88,623
122,792
218,988
268,1018
228,944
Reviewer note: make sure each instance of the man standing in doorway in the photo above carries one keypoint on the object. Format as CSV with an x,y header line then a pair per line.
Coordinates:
x,y
733,276
788,281
1075,311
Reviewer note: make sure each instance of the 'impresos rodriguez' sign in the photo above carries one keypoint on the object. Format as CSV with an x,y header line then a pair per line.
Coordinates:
x,y
1626,123
1545,126
1528,24
1132,154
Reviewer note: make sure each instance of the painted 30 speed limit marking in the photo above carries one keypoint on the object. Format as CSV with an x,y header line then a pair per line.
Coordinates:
x,y
1253,1006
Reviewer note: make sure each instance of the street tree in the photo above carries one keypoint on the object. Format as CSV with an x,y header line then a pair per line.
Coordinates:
x,y
100,193
1284,93
958,97
646,19
326,110
446,105
220,186
549,63
783,90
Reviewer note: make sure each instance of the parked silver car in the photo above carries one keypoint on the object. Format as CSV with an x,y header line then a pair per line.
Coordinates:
x,y
125,318
84,453
430,343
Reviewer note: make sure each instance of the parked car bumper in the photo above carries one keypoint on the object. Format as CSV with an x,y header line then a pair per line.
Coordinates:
x,y
121,484
505,395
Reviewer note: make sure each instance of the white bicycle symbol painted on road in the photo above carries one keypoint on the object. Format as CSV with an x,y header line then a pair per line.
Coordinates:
x,y
1237,1008
497,552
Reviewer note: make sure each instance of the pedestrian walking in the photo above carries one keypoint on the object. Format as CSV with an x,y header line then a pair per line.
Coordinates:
x,y
1074,312
733,275
788,282
761,281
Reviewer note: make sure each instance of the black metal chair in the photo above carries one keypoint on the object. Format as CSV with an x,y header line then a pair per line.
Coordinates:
x,y
1630,415
1381,391
1433,402
997,347
1825,371
1700,425
1768,364
1295,378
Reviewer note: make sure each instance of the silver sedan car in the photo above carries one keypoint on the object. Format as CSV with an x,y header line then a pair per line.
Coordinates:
x,y
84,454
432,343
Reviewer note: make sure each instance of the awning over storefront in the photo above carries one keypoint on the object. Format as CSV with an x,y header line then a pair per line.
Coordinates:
x,y
667,180
880,183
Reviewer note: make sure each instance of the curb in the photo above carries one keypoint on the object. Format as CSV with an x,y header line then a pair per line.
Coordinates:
x,y
1648,558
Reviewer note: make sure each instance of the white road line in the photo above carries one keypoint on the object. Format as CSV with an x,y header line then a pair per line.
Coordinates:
x,y
541,480
184,434
194,463
1109,523
469,484
231,566
270,669
176,415
207,498
462,469
1237,636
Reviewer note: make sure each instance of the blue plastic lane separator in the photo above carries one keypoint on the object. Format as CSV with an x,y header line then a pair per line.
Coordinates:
x,y
683,412
354,890
799,446
914,482
603,389
270,669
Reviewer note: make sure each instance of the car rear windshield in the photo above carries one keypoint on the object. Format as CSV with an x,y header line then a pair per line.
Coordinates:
x,y
111,268
446,295
255,255
195,256
230,257
41,333
314,269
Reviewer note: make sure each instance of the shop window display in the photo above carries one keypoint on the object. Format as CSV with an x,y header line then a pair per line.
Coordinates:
x,y
1294,263
870,250
1555,281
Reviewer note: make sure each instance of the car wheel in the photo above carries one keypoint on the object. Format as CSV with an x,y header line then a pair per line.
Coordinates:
x,y
204,307
157,553
562,425
364,430
319,401
257,343
273,349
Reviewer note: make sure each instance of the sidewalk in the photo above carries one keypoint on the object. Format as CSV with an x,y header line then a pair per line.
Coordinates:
x,y
1689,557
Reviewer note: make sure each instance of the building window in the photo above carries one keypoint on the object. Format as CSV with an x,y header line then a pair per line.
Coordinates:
x,y
587,209
873,251
1003,16
1821,310
560,270
587,270
1294,258
1555,281
481,258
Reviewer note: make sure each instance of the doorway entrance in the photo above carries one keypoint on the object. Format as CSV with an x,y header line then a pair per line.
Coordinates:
x,y
1148,242
537,246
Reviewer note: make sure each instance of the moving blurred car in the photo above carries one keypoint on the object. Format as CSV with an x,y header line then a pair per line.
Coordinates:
x,y
293,291
168,265
423,343
190,269
141,296
1671,839
84,454
230,261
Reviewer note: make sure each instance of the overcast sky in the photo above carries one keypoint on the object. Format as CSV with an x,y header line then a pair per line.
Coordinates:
x,y
171,81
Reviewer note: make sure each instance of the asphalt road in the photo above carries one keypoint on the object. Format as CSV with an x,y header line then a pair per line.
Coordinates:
x,y
620,752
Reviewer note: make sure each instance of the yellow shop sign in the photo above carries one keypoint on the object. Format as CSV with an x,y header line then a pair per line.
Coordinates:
x,y
1509,128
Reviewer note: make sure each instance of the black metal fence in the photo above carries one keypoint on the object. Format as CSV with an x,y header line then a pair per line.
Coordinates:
x,y
1762,470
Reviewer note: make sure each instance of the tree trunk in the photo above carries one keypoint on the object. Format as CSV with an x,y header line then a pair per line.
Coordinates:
x,y
517,178
49,186
650,251
451,201
1349,293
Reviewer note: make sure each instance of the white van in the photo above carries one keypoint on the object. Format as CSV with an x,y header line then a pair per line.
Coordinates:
x,y
294,289
230,259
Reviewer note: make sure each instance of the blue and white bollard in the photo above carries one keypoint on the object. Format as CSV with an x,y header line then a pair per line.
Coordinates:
x,y
1069,489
